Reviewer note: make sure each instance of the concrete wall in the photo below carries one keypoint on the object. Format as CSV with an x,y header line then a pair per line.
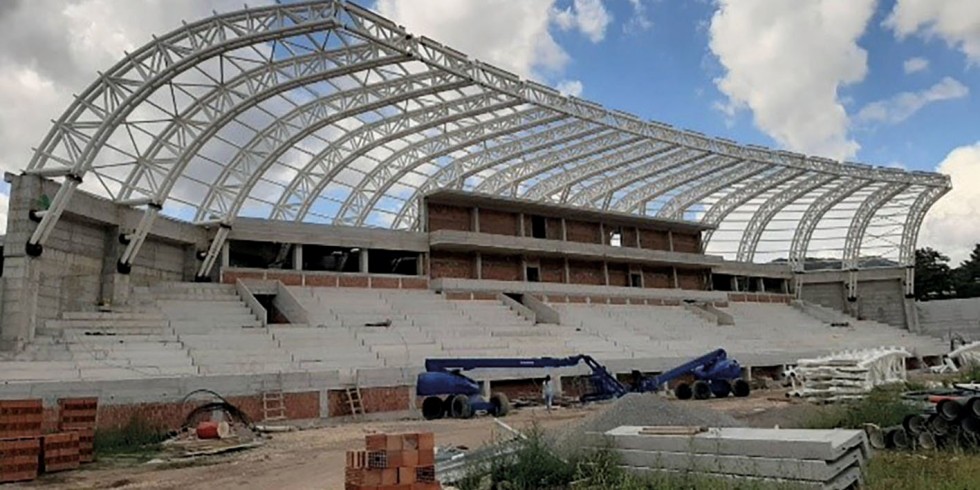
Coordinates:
x,y
941,318
880,294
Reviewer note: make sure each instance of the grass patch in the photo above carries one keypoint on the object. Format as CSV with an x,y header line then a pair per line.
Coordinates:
x,y
137,439
884,406
933,470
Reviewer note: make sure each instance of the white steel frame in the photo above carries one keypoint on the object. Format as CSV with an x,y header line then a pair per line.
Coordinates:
x,y
409,116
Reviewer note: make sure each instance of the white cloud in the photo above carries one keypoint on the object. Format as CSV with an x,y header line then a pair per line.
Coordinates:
x,y
640,21
590,17
511,35
951,225
786,61
902,106
570,87
957,22
916,64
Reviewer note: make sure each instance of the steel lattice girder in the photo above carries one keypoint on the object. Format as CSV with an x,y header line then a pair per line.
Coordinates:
x,y
558,162
862,217
811,217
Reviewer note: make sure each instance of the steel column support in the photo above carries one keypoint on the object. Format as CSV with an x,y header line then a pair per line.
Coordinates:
x,y
214,250
134,241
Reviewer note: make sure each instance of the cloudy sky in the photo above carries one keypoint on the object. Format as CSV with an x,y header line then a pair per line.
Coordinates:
x,y
887,82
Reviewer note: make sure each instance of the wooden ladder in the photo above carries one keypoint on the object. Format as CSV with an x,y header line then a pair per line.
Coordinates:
x,y
353,396
273,406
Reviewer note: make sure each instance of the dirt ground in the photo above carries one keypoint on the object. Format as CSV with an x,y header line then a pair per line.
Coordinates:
x,y
315,458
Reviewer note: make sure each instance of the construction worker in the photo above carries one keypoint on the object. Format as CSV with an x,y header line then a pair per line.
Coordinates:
x,y
548,390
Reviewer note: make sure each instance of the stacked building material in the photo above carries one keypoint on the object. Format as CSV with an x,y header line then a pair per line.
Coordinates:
x,y
59,452
79,415
20,444
847,375
393,462
953,421
824,459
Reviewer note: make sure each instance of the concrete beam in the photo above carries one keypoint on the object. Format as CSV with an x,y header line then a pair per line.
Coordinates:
x,y
262,230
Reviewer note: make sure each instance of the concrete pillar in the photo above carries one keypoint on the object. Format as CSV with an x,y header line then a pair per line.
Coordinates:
x,y
564,231
420,264
297,256
485,389
762,284
636,230
363,256
21,284
602,238
475,219
605,271
478,266
115,286
226,254
520,224
568,272
735,283
670,240
523,269
677,284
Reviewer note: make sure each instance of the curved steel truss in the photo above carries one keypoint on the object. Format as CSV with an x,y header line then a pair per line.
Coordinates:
x,y
326,112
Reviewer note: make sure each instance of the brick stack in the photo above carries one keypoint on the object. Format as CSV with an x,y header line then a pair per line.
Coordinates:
x,y
393,462
20,444
59,452
79,415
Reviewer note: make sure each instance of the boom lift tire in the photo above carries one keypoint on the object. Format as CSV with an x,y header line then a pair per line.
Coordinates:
x,y
501,405
433,408
741,387
721,388
702,391
683,391
460,408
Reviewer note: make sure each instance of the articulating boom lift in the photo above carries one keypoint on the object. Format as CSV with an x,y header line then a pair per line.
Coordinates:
x,y
448,392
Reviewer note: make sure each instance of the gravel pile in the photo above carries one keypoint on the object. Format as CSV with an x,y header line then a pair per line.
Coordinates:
x,y
647,409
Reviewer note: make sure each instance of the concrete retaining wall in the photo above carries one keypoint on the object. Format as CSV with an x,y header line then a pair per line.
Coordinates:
x,y
940,318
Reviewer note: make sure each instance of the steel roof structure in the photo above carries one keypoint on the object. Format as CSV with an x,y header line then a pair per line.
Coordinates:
x,y
327,112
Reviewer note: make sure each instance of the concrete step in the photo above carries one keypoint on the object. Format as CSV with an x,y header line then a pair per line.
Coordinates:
x,y
101,316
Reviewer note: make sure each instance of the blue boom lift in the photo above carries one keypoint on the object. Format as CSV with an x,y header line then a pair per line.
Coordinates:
x,y
450,393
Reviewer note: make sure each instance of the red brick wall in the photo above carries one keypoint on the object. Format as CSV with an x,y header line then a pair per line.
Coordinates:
x,y
760,298
502,268
382,399
688,279
552,270
629,237
579,231
654,240
171,415
586,273
687,242
289,278
446,217
320,279
619,275
452,264
529,389
661,277
498,222
553,228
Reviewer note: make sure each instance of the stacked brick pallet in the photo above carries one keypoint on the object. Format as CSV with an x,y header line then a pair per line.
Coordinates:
x,y
393,462
25,451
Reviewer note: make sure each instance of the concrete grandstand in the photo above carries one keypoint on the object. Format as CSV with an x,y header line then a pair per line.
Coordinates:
x,y
305,198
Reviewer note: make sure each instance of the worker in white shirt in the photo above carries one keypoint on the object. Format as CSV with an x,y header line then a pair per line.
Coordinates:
x,y
548,391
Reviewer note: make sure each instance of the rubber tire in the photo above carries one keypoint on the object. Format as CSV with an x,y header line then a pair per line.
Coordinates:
x,y
501,405
433,408
702,391
741,388
683,391
460,408
720,388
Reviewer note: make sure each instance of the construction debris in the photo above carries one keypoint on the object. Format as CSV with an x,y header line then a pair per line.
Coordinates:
x,y
847,375
825,459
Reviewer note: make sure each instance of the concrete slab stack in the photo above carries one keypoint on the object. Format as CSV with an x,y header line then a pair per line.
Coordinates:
x,y
824,459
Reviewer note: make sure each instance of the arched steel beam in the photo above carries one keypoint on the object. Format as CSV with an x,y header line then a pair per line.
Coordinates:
x,y
254,155
609,183
564,180
675,207
768,210
364,140
115,95
394,168
913,221
512,175
226,94
732,201
814,213
635,201
456,173
862,217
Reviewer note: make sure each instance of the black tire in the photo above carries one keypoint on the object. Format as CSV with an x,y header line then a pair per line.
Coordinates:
x,y
460,408
433,408
683,391
501,405
702,391
721,388
741,388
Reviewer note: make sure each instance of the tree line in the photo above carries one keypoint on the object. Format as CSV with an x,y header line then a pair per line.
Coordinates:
x,y
935,279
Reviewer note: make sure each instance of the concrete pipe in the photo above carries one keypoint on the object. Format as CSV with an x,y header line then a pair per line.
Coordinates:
x,y
914,424
939,426
950,409
876,436
973,407
897,438
926,440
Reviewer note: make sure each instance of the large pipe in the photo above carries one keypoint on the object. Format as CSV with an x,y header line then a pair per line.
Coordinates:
x,y
939,426
896,437
914,424
973,407
950,409
876,436
925,440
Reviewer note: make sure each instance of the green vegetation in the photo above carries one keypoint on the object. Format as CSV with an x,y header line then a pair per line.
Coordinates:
x,y
138,438
883,407
933,470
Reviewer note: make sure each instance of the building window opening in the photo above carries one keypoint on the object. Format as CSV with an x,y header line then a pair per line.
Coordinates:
x,y
533,273
616,237
393,262
331,259
539,227
636,280
260,255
